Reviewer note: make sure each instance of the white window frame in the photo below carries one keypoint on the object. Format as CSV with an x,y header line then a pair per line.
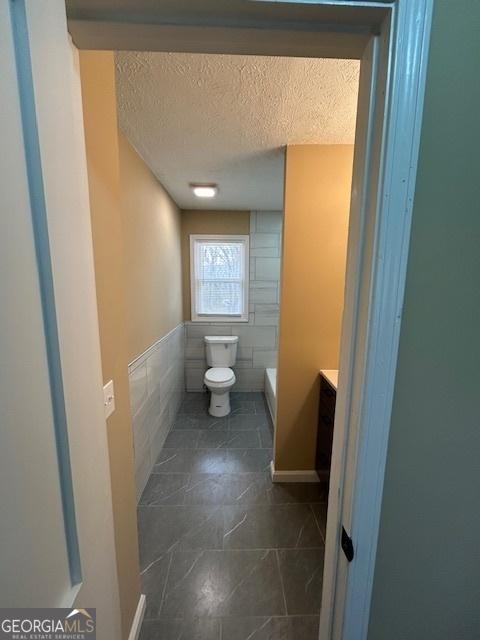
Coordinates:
x,y
203,317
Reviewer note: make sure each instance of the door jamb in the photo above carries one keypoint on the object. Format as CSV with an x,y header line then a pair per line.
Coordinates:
x,y
352,355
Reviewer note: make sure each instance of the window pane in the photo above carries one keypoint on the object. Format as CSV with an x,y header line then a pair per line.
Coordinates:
x,y
219,277
222,261
220,298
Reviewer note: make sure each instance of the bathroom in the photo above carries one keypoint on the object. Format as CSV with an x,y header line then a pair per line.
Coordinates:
x,y
210,489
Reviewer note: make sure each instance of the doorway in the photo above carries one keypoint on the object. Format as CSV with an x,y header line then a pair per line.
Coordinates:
x,y
389,159
216,471
383,182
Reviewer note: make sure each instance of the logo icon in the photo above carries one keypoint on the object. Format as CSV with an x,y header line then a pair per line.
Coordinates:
x,y
48,624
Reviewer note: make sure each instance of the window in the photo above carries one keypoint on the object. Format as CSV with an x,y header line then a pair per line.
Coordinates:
x,y
219,278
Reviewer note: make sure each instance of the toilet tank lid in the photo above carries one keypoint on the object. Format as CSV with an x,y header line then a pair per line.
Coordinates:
x,y
221,339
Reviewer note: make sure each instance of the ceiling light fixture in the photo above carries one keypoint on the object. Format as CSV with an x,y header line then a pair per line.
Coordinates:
x,y
204,190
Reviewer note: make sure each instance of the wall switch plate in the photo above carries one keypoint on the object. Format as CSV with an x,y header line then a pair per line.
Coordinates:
x,y
109,399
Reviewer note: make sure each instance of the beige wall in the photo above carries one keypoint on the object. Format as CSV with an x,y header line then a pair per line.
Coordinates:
x,y
317,202
153,284
99,108
215,222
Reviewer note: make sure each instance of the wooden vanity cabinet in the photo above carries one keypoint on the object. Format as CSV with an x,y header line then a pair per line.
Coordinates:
x,y
326,420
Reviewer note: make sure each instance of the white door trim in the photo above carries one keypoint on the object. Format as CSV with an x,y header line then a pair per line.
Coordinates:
x,y
346,608
353,351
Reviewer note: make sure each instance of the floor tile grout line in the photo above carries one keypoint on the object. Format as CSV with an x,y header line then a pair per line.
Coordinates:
x,y
281,582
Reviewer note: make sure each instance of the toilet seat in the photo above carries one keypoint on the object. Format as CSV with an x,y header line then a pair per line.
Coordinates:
x,y
219,376
219,381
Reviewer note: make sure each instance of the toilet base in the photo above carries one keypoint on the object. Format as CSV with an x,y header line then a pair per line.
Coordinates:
x,y
219,404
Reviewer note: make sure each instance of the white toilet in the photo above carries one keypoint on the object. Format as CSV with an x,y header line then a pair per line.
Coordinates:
x,y
221,355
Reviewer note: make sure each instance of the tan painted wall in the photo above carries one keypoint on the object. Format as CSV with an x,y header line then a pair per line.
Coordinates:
x,y
317,202
216,222
151,221
99,108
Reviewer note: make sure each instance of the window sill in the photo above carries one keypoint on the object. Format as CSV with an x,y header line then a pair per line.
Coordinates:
x,y
218,319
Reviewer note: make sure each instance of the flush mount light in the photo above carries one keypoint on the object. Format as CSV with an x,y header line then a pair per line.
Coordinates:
x,y
204,190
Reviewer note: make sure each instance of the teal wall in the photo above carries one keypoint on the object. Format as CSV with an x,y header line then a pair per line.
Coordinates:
x,y
427,577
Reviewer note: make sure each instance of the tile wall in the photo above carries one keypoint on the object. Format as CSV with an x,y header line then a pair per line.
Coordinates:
x,y
157,387
259,337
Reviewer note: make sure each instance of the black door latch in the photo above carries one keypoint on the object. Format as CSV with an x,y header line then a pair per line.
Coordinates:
x,y
347,545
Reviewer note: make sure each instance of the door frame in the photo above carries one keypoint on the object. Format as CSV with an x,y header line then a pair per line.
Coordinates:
x,y
394,71
392,81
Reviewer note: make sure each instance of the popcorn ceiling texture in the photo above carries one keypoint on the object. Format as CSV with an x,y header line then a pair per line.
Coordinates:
x,y
226,119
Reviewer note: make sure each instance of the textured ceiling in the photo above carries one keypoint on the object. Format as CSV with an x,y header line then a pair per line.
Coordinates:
x,y
226,119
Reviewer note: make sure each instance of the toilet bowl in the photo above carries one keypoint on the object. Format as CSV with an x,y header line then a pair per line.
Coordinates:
x,y
220,378
219,381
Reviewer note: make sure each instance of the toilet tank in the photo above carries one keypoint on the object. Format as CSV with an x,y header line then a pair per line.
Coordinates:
x,y
221,350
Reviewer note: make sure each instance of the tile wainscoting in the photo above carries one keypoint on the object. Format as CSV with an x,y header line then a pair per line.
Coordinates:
x,y
258,338
157,388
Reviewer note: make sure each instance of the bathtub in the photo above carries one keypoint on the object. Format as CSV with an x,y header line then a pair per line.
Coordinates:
x,y
271,391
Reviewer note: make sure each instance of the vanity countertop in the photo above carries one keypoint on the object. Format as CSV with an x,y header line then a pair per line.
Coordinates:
x,y
331,375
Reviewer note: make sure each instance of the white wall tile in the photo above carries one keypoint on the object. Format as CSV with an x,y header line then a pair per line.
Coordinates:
x,y
253,220
268,222
266,315
264,295
250,380
243,364
195,348
265,252
267,308
257,336
264,358
262,284
156,364
196,363
244,353
143,468
159,434
194,378
138,388
140,433
267,268
157,385
264,240
263,320
201,330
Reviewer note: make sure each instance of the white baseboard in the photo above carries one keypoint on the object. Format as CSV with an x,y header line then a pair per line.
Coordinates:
x,y
138,618
293,476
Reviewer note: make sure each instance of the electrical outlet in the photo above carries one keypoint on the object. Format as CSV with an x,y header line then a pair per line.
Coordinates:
x,y
109,399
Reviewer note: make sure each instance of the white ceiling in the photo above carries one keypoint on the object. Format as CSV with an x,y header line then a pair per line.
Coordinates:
x,y
226,119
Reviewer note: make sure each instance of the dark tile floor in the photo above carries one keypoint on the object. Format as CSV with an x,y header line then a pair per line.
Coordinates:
x,y
225,554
